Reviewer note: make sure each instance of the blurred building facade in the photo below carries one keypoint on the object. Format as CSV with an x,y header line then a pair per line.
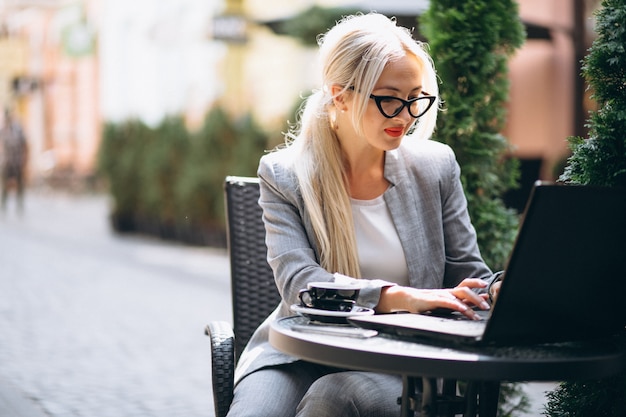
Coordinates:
x,y
66,67
49,76
548,101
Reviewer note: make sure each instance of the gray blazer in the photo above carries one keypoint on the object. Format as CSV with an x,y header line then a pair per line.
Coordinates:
x,y
428,208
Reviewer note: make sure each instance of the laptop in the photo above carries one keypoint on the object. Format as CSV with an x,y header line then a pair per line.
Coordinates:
x,y
565,279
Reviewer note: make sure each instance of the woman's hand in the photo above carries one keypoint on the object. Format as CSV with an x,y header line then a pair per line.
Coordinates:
x,y
460,298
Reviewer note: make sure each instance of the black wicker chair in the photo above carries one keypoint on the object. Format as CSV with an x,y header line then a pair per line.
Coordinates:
x,y
254,293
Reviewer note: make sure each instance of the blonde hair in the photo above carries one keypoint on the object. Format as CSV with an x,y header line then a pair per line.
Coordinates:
x,y
353,54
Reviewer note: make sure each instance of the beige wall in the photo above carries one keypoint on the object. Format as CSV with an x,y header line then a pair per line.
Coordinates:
x,y
542,72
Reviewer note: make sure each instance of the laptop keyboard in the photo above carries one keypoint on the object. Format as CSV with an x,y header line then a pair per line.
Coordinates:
x,y
452,324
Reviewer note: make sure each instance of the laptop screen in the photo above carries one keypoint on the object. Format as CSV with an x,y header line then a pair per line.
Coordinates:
x,y
566,275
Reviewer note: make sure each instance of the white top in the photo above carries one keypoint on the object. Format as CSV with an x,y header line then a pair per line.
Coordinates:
x,y
380,252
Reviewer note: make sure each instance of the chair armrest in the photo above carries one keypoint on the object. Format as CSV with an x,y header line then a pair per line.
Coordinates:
x,y
222,364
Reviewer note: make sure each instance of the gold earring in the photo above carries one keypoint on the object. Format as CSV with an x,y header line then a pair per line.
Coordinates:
x,y
333,121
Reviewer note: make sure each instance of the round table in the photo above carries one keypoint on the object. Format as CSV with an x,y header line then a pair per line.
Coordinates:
x,y
487,366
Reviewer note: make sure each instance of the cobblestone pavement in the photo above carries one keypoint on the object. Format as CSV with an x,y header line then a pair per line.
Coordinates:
x,y
93,324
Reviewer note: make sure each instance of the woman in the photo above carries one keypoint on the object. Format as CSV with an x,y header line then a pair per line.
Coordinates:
x,y
350,194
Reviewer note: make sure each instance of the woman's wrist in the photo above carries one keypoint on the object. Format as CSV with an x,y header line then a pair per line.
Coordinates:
x,y
497,278
390,299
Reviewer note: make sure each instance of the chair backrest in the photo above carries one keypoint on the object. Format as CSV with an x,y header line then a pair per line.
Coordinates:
x,y
254,292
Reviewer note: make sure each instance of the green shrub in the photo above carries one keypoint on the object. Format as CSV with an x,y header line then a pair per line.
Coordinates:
x,y
121,150
471,43
601,158
200,187
600,398
307,25
167,181
163,159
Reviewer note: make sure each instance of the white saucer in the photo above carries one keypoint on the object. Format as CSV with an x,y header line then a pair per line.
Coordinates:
x,y
330,316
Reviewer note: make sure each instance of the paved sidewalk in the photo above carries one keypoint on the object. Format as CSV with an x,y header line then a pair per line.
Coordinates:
x,y
94,324
13,403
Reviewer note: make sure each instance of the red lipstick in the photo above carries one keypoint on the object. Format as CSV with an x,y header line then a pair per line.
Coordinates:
x,y
394,131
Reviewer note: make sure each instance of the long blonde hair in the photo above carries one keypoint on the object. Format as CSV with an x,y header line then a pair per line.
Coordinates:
x,y
353,54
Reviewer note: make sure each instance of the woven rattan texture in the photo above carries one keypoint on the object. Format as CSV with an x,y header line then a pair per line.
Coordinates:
x,y
253,289
223,365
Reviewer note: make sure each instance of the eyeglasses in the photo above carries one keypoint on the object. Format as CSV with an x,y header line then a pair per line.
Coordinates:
x,y
390,106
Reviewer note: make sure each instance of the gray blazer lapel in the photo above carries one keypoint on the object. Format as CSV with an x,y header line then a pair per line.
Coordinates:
x,y
407,214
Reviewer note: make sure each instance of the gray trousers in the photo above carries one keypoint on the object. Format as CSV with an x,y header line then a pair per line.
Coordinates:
x,y
305,389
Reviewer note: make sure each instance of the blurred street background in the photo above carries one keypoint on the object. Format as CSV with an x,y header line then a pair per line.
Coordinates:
x,y
71,68
94,324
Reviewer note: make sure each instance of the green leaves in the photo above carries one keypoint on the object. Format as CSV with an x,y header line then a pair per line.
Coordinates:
x,y
170,179
307,25
598,398
601,158
471,43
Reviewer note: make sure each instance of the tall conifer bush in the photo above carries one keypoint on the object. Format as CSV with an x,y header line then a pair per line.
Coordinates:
x,y
471,42
600,160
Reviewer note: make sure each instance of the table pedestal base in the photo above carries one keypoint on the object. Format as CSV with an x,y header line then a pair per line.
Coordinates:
x,y
422,394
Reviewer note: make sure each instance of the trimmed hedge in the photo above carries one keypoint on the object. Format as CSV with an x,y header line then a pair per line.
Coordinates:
x,y
471,44
168,181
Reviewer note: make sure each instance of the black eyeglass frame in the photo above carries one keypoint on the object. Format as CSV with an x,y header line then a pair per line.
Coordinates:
x,y
405,103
